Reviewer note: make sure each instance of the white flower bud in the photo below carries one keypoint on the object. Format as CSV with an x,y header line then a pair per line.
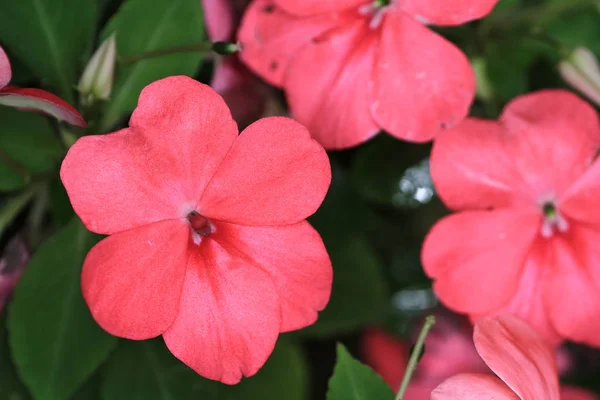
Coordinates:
x,y
581,70
97,79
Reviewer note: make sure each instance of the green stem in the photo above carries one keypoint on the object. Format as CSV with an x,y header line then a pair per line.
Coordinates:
x,y
414,356
13,206
190,48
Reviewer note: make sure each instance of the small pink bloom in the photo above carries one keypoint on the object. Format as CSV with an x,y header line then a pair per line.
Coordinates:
x,y
208,242
245,95
521,359
34,99
525,236
351,68
449,351
12,264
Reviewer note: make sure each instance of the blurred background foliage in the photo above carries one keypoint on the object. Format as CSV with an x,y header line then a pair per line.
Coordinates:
x,y
378,210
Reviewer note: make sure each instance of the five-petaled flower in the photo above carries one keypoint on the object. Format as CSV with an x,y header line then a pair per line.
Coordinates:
x,y
34,99
525,236
208,245
522,360
351,68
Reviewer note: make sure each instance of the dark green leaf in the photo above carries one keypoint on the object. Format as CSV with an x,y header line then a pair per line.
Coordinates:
x,y
352,380
11,387
146,370
28,146
143,26
284,376
55,343
400,177
359,295
50,37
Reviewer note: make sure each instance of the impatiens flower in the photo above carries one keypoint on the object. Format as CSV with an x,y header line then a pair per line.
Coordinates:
x,y
521,359
34,99
351,68
525,237
208,242
449,351
243,92
581,70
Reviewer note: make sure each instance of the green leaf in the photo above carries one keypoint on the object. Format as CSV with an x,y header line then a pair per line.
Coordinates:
x,y
11,387
359,294
55,343
284,376
146,370
28,146
50,37
352,380
143,26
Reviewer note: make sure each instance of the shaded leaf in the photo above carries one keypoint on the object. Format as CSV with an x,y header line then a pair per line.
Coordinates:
x,y
352,380
55,343
50,37
142,26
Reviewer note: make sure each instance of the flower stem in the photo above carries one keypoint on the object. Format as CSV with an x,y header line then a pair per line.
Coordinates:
x,y
190,48
414,356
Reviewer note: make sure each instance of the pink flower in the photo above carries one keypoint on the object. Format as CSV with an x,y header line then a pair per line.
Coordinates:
x,y
208,245
243,92
521,359
525,237
351,68
449,351
34,99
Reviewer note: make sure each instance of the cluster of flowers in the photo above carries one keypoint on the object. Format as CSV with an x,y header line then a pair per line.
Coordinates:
x,y
208,242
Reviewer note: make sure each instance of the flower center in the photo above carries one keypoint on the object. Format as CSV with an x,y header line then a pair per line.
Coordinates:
x,y
553,220
200,224
375,10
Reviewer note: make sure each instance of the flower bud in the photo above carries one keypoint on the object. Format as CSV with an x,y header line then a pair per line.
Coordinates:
x,y
581,70
225,48
97,79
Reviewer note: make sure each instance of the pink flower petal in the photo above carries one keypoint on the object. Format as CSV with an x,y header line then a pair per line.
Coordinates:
x,y
471,168
575,280
554,136
573,393
580,202
218,15
528,302
271,37
335,105
314,7
41,101
5,70
447,12
158,168
476,257
296,260
474,387
132,280
229,316
386,354
422,82
519,356
274,174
